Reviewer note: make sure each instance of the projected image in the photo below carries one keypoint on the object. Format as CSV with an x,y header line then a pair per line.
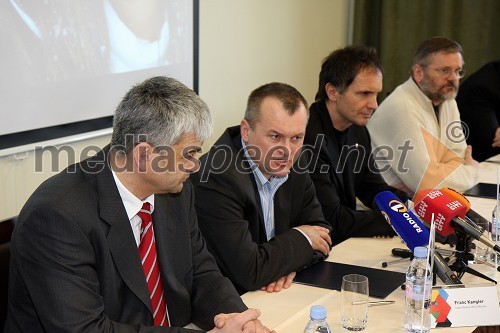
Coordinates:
x,y
61,39
69,61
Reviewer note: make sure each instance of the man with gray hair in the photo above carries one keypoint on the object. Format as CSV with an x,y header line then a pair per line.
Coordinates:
x,y
112,244
418,124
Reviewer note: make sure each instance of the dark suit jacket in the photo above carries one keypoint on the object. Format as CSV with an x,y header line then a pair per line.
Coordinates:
x,y
75,265
230,217
478,101
340,178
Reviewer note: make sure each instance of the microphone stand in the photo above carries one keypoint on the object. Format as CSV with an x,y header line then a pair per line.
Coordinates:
x,y
463,256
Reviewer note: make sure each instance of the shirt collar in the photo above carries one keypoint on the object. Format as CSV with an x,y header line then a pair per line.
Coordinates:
x,y
259,176
420,93
131,203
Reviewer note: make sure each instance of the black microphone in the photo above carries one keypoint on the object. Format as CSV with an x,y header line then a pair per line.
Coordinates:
x,y
403,253
443,271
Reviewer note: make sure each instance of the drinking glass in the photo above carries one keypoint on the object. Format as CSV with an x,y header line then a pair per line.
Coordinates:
x,y
354,302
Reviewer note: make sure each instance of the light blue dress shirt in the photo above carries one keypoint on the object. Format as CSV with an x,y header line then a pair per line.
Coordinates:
x,y
267,189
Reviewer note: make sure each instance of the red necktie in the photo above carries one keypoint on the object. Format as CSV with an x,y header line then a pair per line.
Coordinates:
x,y
147,251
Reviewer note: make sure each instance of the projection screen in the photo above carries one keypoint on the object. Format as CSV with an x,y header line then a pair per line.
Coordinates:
x,y
65,64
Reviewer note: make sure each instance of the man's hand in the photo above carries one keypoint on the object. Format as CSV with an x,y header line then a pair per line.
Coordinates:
x,y
245,322
319,236
468,157
496,139
282,283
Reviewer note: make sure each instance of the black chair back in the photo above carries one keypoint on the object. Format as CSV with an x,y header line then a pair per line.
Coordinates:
x,y
6,228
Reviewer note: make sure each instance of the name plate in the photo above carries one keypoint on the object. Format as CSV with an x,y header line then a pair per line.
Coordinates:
x,y
470,306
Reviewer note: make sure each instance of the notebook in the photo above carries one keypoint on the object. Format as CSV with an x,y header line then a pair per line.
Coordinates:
x,y
329,275
483,190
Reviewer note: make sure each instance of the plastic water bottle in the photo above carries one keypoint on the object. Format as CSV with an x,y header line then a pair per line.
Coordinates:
x,y
495,226
318,323
495,234
417,302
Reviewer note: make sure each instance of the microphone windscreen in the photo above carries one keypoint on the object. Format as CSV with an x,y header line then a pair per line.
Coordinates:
x,y
444,210
420,195
455,195
471,214
404,222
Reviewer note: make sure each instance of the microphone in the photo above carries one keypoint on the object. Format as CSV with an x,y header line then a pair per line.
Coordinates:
x,y
403,253
471,214
412,231
443,271
449,216
408,227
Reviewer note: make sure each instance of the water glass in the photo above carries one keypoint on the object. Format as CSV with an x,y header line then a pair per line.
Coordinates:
x,y
354,302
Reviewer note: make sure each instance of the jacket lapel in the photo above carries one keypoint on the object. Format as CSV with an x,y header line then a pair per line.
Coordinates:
x,y
120,237
165,219
283,205
331,144
251,186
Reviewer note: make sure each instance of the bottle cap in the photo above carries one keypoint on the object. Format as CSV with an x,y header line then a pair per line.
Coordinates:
x,y
318,312
420,252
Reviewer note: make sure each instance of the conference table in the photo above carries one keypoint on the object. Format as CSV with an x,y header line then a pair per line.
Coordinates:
x,y
288,311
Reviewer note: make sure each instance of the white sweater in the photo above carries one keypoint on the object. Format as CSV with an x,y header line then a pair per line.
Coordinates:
x,y
437,148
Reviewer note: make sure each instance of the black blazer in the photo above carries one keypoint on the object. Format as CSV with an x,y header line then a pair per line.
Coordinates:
x,y
75,265
340,178
230,217
478,102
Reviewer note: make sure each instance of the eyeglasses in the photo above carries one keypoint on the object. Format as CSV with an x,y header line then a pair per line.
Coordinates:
x,y
446,72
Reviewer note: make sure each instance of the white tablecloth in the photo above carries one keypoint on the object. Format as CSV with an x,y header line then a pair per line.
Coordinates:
x,y
288,310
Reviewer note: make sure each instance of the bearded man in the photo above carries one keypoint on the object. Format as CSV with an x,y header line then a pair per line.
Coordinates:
x,y
416,132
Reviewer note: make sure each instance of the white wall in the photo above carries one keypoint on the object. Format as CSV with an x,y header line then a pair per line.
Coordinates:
x,y
243,44
247,43
21,174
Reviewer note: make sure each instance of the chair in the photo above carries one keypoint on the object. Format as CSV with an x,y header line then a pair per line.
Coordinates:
x,y
6,228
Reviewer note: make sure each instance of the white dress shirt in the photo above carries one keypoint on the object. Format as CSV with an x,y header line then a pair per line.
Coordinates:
x,y
132,206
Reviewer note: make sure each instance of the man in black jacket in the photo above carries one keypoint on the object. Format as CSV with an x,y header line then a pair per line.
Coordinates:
x,y
478,101
259,216
344,168
112,244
